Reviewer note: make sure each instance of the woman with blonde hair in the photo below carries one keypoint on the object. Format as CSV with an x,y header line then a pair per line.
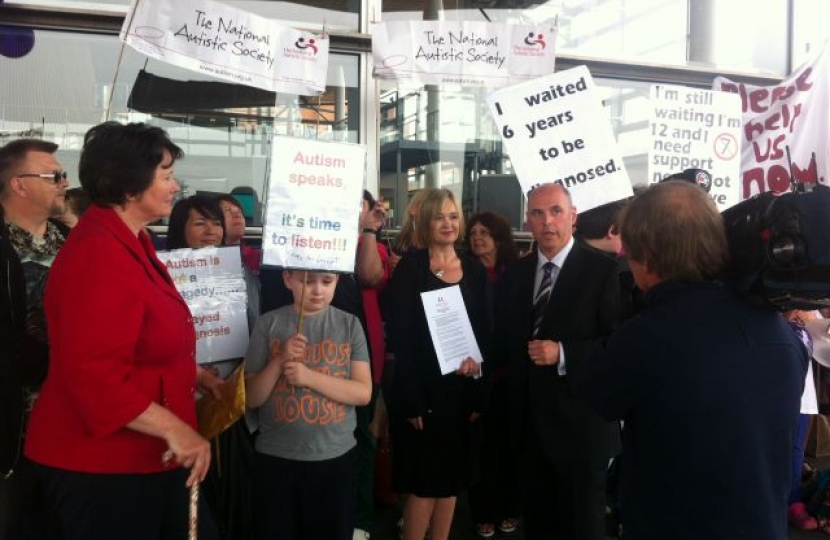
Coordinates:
x,y
435,415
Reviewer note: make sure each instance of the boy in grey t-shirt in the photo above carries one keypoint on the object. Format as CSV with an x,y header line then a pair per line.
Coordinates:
x,y
304,387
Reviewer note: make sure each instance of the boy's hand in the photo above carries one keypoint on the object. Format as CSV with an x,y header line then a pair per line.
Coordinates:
x,y
296,373
208,381
469,368
275,351
294,348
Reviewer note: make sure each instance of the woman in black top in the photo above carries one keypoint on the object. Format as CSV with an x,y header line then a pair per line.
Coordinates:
x,y
435,415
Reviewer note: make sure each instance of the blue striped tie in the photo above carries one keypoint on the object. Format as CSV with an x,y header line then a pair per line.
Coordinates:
x,y
542,297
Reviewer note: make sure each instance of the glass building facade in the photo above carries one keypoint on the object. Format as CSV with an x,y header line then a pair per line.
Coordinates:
x,y
72,77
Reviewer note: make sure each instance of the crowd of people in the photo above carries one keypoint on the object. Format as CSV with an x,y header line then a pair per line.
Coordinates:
x,y
610,339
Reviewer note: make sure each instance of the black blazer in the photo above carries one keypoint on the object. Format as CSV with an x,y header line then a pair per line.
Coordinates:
x,y
584,306
418,386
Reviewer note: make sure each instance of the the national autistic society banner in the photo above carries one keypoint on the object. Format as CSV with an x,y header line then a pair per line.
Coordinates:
x,y
556,130
465,53
228,43
313,206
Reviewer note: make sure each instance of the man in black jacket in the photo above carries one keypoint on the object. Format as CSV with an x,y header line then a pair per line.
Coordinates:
x,y
709,387
550,307
31,191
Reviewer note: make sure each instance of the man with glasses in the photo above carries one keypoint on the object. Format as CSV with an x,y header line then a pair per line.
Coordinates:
x,y
32,190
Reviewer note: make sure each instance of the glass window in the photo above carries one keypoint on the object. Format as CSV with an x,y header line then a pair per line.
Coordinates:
x,y
810,31
434,138
733,35
224,129
336,15
673,32
447,139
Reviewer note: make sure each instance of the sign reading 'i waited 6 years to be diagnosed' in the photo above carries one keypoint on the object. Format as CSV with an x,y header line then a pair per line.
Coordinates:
x,y
555,130
313,208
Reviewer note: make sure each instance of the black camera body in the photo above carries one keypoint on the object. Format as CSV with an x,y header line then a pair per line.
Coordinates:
x,y
779,246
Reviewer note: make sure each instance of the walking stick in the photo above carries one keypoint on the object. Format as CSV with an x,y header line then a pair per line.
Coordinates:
x,y
302,304
193,525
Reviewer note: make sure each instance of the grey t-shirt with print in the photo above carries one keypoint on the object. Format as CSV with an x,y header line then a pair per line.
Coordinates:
x,y
299,423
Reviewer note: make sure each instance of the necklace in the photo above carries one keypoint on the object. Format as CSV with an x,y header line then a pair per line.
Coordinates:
x,y
439,272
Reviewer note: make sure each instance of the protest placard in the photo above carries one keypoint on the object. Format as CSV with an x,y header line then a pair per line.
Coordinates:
x,y
785,128
228,43
462,52
697,129
212,283
555,130
313,205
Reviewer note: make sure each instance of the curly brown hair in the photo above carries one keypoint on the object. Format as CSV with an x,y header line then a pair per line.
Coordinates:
x,y
506,250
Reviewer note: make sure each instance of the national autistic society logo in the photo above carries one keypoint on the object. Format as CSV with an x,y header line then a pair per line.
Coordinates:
x,y
303,45
704,180
533,39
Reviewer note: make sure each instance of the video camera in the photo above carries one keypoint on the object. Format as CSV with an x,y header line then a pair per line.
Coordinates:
x,y
779,246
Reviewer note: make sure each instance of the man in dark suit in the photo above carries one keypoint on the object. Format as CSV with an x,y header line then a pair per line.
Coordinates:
x,y
551,306
708,385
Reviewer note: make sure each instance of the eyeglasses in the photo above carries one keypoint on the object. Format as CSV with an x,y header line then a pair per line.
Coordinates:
x,y
55,176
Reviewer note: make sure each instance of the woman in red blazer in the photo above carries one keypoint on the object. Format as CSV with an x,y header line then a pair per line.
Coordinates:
x,y
115,421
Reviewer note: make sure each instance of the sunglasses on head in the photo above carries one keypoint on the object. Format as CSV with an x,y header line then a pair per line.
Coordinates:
x,y
55,176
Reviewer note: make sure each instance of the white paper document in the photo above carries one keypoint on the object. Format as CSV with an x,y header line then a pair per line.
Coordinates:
x,y
449,326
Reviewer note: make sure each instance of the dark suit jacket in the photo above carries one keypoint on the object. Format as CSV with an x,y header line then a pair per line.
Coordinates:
x,y
710,390
23,358
584,306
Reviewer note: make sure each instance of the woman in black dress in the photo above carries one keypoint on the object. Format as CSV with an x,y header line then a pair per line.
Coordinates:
x,y
435,415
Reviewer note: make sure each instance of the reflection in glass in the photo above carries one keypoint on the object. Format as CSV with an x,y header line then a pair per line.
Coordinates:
x,y
468,150
339,15
224,129
650,30
809,32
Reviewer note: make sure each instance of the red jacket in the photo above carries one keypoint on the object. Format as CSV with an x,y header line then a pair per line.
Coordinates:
x,y
120,338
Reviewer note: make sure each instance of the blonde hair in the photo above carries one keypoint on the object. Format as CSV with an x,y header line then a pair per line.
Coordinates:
x,y
431,206
407,237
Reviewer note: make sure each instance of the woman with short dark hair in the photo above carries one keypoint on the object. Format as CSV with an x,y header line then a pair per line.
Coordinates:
x,y
114,427
196,222
494,497
490,239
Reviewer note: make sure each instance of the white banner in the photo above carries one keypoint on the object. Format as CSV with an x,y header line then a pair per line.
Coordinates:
x,y
313,206
212,283
466,53
228,43
794,116
697,129
556,130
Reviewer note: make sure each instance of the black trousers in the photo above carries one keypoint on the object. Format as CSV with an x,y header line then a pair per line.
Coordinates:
x,y
563,500
24,514
95,506
304,500
496,494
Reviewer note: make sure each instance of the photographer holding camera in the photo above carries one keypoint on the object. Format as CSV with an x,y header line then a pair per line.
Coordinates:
x,y
708,385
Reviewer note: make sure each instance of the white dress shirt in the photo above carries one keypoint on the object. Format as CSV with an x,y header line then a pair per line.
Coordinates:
x,y
558,260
